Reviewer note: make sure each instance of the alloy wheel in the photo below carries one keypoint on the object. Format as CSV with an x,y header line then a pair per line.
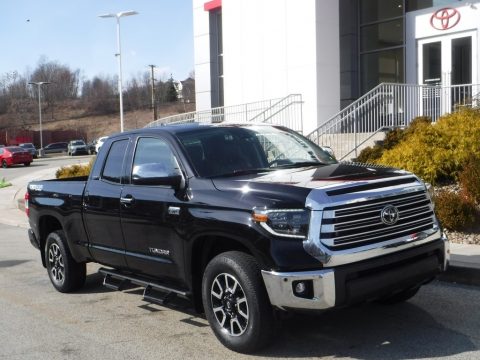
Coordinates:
x,y
56,264
229,304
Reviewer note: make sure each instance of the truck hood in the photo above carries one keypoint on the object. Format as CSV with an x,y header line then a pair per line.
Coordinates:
x,y
311,177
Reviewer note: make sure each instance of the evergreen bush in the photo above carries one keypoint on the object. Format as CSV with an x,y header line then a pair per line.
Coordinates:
x,y
74,170
454,211
469,179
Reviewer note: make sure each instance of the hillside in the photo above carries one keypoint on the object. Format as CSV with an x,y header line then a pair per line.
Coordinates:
x,y
70,117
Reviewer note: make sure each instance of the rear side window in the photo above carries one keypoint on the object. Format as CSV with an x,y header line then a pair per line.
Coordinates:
x,y
114,164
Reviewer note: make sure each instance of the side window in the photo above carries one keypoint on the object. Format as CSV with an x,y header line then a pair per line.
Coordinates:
x,y
157,156
1,151
114,162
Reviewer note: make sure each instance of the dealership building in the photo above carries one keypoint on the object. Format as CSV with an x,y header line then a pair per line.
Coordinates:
x,y
333,52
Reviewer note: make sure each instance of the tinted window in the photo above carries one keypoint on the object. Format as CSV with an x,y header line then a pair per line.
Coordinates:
x,y
114,163
14,149
158,152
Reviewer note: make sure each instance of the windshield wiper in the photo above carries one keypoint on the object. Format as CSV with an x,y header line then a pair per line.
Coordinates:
x,y
241,172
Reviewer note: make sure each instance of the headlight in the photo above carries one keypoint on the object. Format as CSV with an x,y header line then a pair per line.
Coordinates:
x,y
284,222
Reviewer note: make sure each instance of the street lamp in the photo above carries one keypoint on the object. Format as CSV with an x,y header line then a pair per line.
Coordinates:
x,y
39,85
117,16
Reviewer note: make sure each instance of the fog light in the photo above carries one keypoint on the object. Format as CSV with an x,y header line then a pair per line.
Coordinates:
x,y
303,289
300,287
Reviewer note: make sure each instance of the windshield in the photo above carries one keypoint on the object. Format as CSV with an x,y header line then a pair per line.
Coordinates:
x,y
230,150
27,146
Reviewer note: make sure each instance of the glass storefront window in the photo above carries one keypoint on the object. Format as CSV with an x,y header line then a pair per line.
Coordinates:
x,y
381,35
413,5
383,66
377,10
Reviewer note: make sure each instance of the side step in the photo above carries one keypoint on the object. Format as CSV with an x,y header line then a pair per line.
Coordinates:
x,y
154,292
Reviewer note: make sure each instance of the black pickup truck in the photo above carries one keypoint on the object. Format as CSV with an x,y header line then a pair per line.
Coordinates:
x,y
246,221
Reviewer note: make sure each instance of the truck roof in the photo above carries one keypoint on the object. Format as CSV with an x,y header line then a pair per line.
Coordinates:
x,y
181,128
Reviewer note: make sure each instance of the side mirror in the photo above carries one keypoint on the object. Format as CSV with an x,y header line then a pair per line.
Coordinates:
x,y
155,174
328,150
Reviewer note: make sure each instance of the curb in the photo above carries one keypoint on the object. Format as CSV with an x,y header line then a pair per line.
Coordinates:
x,y
461,275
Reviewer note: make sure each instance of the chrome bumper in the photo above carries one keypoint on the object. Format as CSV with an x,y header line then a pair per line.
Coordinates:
x,y
280,285
280,289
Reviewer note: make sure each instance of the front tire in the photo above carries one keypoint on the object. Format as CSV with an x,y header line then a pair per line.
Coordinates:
x,y
26,164
65,273
4,164
236,303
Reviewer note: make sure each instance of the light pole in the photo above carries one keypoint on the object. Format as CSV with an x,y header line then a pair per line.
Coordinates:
x,y
154,106
117,16
39,86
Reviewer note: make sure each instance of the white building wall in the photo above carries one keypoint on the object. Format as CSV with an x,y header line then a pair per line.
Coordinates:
x,y
201,42
273,48
328,59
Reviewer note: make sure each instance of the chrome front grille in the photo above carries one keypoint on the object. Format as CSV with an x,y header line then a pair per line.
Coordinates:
x,y
360,223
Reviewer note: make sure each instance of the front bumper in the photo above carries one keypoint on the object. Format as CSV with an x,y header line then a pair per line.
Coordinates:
x,y
77,151
366,280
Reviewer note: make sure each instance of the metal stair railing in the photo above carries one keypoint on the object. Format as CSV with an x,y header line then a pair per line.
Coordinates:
x,y
389,106
285,111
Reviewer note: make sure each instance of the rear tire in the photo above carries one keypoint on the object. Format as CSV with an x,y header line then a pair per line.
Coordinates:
x,y
236,303
27,164
65,273
4,164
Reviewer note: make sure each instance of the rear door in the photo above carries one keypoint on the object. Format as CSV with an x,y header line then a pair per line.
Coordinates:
x,y
102,206
151,217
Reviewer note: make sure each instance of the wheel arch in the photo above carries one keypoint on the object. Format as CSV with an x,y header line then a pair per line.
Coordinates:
x,y
47,224
204,249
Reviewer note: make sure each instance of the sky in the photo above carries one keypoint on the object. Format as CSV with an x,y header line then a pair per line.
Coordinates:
x,y
71,33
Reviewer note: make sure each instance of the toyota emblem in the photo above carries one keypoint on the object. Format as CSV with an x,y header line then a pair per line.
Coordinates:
x,y
390,215
445,19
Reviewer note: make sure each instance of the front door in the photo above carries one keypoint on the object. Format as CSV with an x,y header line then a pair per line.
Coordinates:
x,y
448,61
151,217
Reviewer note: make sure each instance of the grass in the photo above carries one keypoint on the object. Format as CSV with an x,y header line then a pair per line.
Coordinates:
x,y
4,183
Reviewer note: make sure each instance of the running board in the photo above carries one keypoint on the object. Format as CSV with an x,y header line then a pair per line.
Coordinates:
x,y
154,292
159,297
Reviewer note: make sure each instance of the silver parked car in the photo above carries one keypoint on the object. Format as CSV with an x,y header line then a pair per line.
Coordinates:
x,y
76,147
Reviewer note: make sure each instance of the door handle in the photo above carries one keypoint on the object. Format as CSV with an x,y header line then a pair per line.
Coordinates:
x,y
86,199
127,200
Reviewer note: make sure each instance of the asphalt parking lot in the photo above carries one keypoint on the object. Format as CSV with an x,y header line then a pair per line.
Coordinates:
x,y
37,322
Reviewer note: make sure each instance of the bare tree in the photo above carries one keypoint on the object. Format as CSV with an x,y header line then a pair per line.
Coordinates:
x,y
99,95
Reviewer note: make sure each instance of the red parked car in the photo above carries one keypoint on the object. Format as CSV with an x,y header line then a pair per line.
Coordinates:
x,y
11,155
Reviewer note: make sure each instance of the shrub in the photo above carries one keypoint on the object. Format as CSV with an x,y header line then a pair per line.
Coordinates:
x,y
4,183
469,179
74,170
454,211
392,139
437,152
370,154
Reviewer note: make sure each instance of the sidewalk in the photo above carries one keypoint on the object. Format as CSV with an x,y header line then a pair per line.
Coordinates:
x,y
464,260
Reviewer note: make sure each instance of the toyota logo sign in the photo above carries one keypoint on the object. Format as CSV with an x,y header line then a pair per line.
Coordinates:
x,y
389,215
445,19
